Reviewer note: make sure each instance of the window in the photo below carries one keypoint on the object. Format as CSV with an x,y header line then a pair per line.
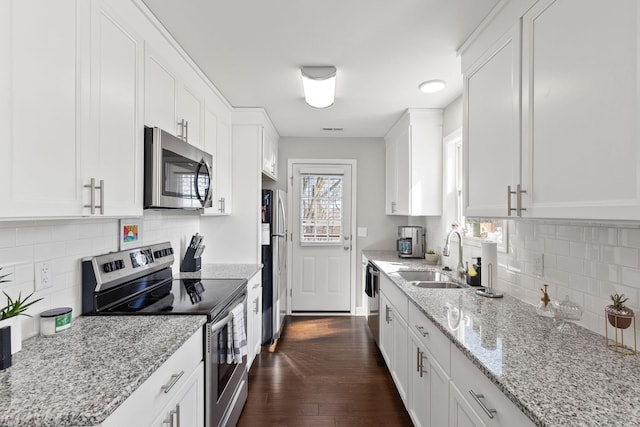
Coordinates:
x,y
473,229
321,209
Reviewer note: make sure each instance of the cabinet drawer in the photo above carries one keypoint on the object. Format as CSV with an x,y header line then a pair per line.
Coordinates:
x,y
150,395
468,378
395,296
432,338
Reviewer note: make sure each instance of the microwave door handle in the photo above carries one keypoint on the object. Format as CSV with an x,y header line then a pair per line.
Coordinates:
x,y
207,194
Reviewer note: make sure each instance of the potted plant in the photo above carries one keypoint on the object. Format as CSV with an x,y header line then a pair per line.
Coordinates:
x,y
9,314
431,257
618,314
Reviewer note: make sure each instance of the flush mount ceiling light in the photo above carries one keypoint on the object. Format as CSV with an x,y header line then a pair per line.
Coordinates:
x,y
431,86
319,86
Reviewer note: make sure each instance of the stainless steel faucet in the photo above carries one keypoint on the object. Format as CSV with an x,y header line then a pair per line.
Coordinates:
x,y
462,272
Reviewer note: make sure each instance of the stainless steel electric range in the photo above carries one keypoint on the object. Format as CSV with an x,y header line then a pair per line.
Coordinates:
x,y
140,282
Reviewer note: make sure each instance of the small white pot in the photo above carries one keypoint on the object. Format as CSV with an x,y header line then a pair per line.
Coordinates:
x,y
16,332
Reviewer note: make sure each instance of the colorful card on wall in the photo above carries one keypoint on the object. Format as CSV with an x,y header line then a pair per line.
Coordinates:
x,y
130,233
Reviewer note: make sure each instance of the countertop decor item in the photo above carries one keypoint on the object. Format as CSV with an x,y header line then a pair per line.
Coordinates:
x,y
620,317
9,315
432,257
544,307
130,233
55,321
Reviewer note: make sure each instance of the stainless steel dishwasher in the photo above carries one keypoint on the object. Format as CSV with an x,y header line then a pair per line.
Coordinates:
x,y
372,290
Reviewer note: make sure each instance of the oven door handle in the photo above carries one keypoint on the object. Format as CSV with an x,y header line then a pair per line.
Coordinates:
x,y
221,324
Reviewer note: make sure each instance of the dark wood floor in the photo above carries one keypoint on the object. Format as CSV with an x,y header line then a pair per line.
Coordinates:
x,y
326,371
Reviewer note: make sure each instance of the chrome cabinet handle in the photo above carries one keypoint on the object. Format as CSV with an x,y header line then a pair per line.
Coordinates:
x,y
422,331
177,412
423,357
92,194
477,397
186,130
101,189
417,359
174,379
388,313
181,135
255,309
519,207
221,205
518,194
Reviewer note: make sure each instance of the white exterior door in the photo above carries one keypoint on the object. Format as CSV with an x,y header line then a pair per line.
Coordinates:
x,y
321,234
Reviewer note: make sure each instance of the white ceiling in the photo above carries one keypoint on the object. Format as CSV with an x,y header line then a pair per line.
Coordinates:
x,y
252,51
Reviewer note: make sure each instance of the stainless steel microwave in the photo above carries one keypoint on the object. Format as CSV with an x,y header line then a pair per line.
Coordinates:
x,y
177,175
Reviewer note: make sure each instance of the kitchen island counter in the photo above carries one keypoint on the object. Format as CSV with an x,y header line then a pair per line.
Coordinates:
x,y
556,376
80,377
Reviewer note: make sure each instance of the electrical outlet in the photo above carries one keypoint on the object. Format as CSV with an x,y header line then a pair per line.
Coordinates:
x,y
538,265
43,275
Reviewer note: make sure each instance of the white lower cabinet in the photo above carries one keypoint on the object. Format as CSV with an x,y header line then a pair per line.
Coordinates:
x,y
429,387
438,384
254,317
476,401
394,334
185,410
173,393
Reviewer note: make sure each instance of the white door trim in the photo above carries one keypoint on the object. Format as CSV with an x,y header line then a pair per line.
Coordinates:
x,y
290,222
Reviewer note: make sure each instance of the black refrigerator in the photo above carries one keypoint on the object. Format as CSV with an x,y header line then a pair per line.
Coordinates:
x,y
274,261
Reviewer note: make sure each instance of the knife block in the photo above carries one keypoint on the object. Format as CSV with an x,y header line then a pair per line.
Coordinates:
x,y
190,262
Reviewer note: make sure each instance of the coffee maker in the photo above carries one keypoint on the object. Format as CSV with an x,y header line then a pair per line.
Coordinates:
x,y
410,243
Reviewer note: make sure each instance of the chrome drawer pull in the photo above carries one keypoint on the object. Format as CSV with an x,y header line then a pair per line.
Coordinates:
x,y
422,331
174,379
477,397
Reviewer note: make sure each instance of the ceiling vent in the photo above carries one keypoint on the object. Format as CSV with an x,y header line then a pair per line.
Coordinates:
x,y
333,129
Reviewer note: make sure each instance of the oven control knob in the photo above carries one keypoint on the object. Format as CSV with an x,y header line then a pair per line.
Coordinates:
x,y
107,267
119,264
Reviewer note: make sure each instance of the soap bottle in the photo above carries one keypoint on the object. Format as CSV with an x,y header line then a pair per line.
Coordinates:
x,y
544,307
474,273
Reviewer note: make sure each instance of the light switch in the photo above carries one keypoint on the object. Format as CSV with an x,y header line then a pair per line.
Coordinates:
x,y
362,231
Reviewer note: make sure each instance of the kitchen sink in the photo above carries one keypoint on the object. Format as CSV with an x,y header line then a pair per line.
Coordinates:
x,y
424,276
436,285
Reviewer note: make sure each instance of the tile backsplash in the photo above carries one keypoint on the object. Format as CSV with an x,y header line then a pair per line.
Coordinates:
x,y
587,262
63,243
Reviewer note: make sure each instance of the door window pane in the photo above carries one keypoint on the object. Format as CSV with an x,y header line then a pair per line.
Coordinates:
x,y
321,209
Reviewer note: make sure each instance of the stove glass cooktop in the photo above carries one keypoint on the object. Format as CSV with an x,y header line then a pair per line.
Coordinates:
x,y
182,296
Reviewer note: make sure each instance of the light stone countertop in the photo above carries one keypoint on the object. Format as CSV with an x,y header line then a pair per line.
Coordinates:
x,y
222,271
78,378
556,377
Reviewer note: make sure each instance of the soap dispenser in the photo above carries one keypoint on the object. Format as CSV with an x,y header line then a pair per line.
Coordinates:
x,y
544,307
474,273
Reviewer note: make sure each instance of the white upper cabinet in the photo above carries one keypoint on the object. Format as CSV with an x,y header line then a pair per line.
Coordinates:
x,y
568,147
414,164
160,94
171,103
492,131
217,142
270,153
113,153
42,78
189,117
581,156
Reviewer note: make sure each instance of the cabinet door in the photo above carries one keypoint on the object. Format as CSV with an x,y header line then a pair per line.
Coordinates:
x,y
254,317
403,172
391,183
269,153
400,358
224,168
581,155
492,131
42,73
190,110
460,412
420,400
386,329
160,94
190,401
114,153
